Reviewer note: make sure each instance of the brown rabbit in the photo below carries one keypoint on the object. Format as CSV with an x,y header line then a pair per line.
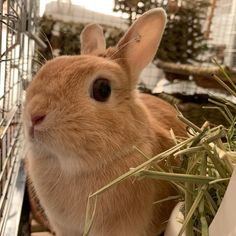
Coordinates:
x,y
82,118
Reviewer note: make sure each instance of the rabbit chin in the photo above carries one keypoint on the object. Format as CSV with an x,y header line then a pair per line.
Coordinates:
x,y
70,159
78,157
70,163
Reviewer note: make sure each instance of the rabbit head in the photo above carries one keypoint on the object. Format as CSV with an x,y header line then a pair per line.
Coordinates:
x,y
86,108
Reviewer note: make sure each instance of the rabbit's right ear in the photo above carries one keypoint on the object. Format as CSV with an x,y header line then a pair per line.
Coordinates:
x,y
138,46
92,39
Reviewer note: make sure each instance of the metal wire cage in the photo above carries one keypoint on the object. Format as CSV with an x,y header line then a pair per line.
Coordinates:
x,y
18,19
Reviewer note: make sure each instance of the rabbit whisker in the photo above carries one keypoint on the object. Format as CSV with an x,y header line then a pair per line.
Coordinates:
x,y
37,61
45,60
133,40
46,38
56,182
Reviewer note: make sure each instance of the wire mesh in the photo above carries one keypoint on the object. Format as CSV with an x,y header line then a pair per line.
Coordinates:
x,y
223,31
18,19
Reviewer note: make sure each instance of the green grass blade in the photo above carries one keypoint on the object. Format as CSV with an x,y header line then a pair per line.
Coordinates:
x,y
176,177
193,208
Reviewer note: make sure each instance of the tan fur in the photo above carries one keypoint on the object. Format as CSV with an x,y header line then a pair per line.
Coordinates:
x,y
82,145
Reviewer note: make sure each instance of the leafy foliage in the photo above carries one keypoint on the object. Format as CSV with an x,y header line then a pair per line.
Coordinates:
x,y
183,40
63,37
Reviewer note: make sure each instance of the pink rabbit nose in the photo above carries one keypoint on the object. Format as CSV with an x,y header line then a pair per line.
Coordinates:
x,y
37,119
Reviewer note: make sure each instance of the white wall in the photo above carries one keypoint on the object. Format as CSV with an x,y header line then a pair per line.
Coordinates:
x,y
69,12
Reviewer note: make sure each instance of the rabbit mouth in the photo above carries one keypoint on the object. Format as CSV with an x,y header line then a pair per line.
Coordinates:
x,y
34,126
31,132
34,133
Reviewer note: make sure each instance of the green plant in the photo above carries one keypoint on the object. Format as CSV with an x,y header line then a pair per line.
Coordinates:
x,y
62,38
183,40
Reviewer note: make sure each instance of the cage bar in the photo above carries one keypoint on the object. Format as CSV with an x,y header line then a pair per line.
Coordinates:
x,y
17,51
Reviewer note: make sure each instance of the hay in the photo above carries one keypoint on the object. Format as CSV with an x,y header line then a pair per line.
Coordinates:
x,y
208,156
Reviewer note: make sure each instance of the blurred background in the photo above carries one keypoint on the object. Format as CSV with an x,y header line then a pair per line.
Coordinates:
x,y
199,34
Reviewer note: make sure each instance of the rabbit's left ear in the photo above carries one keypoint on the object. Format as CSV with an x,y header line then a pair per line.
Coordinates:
x,y
139,45
92,39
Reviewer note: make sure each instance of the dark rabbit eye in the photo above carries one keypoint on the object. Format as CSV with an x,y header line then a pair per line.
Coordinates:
x,y
101,90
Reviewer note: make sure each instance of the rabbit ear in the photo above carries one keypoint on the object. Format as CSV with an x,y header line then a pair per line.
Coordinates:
x,y
92,39
139,45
